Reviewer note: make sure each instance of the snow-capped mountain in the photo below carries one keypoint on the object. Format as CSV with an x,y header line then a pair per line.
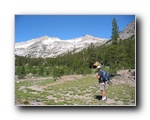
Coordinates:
x,y
53,46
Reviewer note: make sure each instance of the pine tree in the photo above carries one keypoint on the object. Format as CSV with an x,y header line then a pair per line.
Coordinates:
x,y
114,47
21,72
115,32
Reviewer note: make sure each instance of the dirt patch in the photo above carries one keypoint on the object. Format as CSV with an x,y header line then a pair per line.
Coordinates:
x,y
36,78
59,81
71,77
37,88
64,79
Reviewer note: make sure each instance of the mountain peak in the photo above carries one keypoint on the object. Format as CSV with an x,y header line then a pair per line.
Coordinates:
x,y
52,46
87,37
43,38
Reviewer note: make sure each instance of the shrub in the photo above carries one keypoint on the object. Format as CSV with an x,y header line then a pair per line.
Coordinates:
x,y
58,72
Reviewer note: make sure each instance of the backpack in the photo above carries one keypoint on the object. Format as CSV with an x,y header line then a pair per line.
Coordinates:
x,y
105,76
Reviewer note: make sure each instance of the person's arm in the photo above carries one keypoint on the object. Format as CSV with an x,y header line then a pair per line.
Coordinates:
x,y
98,75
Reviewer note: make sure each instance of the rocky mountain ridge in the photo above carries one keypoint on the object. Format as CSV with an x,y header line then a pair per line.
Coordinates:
x,y
52,46
128,31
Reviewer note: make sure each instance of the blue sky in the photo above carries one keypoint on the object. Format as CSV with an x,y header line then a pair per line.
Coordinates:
x,y
65,27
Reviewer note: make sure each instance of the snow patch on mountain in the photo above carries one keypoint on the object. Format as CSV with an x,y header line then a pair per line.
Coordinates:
x,y
53,46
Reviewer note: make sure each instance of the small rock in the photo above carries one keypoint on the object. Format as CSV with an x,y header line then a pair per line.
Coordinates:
x,y
18,82
119,102
110,101
22,87
38,100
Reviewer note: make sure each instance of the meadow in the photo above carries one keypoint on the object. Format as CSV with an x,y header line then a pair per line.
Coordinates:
x,y
74,90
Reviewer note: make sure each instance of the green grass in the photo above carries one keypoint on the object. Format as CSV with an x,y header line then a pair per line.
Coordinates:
x,y
76,92
123,92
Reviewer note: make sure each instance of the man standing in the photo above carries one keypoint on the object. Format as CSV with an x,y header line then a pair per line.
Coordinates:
x,y
102,83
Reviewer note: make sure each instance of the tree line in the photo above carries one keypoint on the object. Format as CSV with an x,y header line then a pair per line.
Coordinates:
x,y
120,56
115,54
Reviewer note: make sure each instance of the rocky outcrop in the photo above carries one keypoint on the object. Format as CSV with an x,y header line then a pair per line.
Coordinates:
x,y
125,76
128,31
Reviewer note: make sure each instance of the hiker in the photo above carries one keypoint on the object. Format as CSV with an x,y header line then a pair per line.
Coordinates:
x,y
101,82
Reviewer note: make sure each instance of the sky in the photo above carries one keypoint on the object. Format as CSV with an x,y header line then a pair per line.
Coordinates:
x,y
66,27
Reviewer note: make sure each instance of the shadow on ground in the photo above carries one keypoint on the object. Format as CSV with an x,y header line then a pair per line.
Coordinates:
x,y
99,97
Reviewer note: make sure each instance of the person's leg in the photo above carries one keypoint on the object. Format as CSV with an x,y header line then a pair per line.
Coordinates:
x,y
103,94
103,91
